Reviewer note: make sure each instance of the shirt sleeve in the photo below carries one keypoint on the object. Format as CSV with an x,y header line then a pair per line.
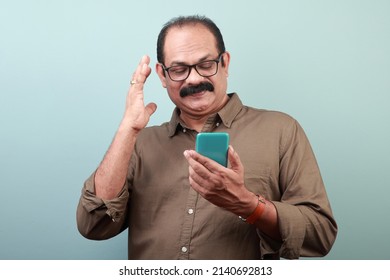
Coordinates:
x,y
100,219
306,222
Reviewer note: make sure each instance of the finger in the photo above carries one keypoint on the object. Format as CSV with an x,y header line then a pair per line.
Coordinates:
x,y
209,164
145,69
200,177
197,171
195,166
138,69
199,188
234,160
141,73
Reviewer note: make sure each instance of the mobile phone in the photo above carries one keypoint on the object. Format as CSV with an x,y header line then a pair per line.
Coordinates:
x,y
213,145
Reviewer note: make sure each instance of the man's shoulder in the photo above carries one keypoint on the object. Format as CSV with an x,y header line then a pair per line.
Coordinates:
x,y
161,129
268,115
249,113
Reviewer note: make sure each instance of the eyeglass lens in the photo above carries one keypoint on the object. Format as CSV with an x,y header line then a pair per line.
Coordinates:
x,y
204,69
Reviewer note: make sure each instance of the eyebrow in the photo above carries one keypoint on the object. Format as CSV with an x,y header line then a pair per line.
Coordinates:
x,y
203,58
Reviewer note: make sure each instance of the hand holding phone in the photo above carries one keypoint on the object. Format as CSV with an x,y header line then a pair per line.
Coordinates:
x,y
213,145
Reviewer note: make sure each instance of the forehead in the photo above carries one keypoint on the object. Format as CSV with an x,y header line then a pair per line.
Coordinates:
x,y
189,43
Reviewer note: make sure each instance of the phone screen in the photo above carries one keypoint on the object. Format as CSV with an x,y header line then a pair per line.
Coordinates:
x,y
213,145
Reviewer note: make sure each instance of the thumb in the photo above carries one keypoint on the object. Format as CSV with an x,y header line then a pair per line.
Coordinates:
x,y
151,108
234,160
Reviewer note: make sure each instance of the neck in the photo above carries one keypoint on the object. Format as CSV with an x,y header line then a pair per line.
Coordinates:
x,y
197,122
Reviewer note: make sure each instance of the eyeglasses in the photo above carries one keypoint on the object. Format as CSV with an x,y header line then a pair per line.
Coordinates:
x,y
207,68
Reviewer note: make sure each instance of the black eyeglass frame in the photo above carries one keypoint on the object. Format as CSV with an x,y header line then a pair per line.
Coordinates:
x,y
217,61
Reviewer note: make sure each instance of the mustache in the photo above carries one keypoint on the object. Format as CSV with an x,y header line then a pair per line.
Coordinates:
x,y
195,89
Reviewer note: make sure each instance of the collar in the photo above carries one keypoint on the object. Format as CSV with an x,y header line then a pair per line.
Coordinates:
x,y
227,114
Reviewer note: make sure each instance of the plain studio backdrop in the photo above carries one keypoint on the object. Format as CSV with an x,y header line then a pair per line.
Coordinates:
x,y
65,68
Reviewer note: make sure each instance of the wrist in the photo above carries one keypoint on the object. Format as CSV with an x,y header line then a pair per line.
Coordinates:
x,y
257,212
126,126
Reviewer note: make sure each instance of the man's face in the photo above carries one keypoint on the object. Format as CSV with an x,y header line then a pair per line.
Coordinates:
x,y
190,45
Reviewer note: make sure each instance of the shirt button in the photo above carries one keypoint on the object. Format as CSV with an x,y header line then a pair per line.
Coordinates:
x,y
184,130
190,211
217,124
184,249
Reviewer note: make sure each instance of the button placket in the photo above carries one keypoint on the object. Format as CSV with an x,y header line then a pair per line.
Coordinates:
x,y
188,224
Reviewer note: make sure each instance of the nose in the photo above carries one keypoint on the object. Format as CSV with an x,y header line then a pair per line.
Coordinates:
x,y
194,77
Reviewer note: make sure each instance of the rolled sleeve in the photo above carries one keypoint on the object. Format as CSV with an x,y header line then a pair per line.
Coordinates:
x,y
98,218
292,227
292,230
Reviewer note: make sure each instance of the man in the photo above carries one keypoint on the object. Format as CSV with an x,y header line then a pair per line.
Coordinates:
x,y
270,201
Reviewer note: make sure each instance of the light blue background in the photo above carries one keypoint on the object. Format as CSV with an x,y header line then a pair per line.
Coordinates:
x,y
65,67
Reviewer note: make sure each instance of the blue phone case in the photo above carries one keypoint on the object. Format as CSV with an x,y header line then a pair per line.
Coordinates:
x,y
213,145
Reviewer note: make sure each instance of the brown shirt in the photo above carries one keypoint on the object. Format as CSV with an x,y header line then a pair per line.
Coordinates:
x,y
167,219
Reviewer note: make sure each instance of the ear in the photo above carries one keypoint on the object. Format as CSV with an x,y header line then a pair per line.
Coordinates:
x,y
226,62
161,74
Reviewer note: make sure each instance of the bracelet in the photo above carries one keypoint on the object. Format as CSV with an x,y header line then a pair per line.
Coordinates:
x,y
258,211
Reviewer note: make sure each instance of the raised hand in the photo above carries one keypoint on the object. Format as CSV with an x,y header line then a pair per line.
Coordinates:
x,y
137,115
111,173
